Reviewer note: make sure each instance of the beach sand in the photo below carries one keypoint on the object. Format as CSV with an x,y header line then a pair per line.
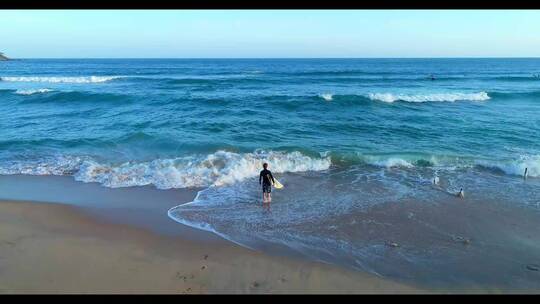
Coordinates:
x,y
62,236
55,248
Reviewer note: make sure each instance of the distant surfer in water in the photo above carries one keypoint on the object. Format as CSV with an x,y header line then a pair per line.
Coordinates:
x,y
431,77
266,180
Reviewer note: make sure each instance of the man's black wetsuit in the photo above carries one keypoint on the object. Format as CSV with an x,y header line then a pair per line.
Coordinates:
x,y
265,176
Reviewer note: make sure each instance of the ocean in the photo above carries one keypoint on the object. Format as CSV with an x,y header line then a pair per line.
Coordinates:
x,y
371,153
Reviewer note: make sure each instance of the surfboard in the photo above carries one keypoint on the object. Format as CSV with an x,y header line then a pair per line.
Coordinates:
x,y
277,184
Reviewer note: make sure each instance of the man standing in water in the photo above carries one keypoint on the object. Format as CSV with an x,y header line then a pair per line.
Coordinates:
x,y
266,179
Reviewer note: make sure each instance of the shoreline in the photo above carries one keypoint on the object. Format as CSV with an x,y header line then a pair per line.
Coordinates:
x,y
53,248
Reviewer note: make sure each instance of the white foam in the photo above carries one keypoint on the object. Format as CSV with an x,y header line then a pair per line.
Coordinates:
x,y
440,97
32,92
80,79
392,162
57,165
326,96
216,169
517,167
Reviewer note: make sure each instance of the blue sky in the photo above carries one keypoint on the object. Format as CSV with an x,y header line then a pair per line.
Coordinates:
x,y
269,33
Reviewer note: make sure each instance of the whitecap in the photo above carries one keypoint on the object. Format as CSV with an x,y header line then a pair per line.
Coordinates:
x,y
327,96
33,91
79,79
215,169
438,97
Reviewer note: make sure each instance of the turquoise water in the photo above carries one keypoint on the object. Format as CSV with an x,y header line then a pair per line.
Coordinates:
x,y
342,135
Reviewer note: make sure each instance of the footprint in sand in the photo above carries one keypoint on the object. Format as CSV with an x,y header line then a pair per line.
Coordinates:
x,y
180,276
206,256
203,267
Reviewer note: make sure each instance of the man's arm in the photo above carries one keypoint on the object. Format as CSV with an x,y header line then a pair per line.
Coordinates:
x,y
273,181
260,176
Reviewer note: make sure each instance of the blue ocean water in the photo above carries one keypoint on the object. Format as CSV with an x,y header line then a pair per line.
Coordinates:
x,y
343,135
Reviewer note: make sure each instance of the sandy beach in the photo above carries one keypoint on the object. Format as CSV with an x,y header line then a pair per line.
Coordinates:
x,y
62,236
53,248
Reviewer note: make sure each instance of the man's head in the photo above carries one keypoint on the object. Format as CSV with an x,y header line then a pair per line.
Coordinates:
x,y
265,165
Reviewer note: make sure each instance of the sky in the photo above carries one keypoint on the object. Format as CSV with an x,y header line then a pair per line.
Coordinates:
x,y
269,33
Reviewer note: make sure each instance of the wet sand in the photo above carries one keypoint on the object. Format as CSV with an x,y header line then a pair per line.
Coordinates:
x,y
55,248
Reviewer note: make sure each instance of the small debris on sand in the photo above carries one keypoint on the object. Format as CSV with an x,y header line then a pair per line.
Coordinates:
x,y
206,256
533,267
391,244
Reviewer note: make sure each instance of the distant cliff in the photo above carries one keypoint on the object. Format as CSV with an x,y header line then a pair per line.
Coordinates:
x,y
2,57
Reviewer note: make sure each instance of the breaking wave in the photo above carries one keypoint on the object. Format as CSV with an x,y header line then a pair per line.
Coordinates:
x,y
216,169
326,96
79,79
440,97
32,92
518,166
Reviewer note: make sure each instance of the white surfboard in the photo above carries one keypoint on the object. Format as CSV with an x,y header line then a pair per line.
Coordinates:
x,y
277,184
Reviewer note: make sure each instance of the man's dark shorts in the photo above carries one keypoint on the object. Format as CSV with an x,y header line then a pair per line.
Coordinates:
x,y
267,188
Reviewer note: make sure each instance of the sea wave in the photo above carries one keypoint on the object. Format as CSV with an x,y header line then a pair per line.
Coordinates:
x,y
392,162
76,79
223,168
73,97
51,165
326,96
440,97
216,169
516,167
32,91
405,160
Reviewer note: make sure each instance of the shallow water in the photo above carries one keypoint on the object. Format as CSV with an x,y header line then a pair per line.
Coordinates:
x,y
354,141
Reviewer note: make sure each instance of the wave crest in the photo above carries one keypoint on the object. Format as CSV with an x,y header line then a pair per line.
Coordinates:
x,y
326,96
517,167
440,97
32,92
79,79
216,169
